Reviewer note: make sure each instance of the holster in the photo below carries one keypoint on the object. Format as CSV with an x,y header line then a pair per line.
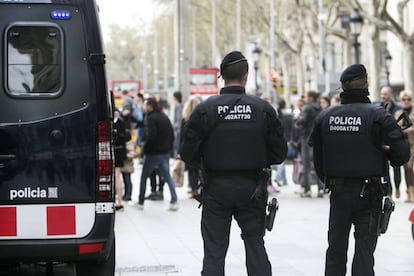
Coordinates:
x,y
260,193
387,208
203,185
272,208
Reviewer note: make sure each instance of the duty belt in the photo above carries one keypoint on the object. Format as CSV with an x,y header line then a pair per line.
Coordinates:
x,y
363,183
353,181
243,173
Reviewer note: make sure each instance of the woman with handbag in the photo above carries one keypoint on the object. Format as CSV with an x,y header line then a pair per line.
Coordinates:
x,y
406,98
193,173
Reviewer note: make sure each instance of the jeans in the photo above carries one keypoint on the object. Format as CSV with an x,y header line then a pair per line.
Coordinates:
x,y
281,174
128,184
154,184
150,163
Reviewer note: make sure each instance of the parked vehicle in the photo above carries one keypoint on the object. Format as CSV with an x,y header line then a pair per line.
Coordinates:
x,y
204,81
56,160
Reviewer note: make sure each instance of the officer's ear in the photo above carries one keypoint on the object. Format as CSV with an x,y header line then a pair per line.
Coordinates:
x,y
245,78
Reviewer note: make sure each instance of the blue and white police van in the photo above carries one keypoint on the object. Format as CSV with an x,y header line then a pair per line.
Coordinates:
x,y
56,158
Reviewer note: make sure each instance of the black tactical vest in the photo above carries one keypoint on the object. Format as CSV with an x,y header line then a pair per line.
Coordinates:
x,y
236,139
351,142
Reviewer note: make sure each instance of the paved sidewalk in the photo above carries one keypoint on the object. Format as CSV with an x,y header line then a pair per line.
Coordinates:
x,y
157,242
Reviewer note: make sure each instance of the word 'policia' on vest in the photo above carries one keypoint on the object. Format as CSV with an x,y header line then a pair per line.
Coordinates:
x,y
339,120
240,108
237,112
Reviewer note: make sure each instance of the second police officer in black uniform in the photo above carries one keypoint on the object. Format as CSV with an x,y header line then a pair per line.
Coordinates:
x,y
233,136
352,143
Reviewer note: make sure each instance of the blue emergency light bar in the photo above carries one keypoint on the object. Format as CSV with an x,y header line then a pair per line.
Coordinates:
x,y
25,1
60,15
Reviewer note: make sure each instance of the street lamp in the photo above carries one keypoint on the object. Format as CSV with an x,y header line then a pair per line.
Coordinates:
x,y
355,23
387,59
308,70
256,55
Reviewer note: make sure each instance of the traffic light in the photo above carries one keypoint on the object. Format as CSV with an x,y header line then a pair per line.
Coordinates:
x,y
275,80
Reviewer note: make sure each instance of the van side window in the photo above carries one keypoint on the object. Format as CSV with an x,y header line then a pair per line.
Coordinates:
x,y
34,64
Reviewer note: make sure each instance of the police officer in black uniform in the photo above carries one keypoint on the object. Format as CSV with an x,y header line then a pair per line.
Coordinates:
x,y
352,143
233,136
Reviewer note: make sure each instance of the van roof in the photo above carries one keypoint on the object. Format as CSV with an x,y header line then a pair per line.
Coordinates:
x,y
41,1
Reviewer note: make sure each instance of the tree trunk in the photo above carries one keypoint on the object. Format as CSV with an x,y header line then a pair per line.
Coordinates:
x,y
374,66
409,65
299,74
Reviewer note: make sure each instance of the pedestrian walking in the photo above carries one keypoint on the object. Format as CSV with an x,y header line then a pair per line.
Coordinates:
x,y
158,144
305,122
193,172
352,143
120,156
127,109
233,137
387,101
128,166
177,120
406,99
286,120
325,102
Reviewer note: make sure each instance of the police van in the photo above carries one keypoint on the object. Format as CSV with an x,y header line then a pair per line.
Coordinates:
x,y
56,160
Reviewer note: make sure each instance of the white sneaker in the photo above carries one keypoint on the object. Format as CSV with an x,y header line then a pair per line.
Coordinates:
x,y
173,206
140,206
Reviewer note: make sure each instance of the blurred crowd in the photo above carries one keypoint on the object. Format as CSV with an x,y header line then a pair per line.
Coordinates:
x,y
133,134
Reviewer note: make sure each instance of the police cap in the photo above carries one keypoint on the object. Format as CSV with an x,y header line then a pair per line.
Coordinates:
x,y
231,58
353,72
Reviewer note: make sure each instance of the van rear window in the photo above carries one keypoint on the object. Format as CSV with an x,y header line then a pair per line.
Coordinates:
x,y
34,60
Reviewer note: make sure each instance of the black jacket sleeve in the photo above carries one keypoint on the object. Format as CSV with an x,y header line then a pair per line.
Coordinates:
x,y
399,148
192,138
276,142
316,141
150,134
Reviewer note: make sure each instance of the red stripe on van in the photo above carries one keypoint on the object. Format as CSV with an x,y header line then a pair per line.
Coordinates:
x,y
61,220
8,222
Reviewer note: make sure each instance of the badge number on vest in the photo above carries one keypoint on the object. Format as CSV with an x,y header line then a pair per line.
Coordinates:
x,y
345,123
239,112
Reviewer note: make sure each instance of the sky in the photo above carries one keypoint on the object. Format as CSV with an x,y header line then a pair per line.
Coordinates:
x,y
124,12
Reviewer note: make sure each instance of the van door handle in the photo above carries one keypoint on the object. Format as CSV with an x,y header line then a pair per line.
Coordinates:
x,y
4,158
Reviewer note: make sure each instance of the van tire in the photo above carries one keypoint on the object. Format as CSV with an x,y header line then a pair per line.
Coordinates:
x,y
104,268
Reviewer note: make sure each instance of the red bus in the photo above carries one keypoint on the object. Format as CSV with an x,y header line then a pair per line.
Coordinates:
x,y
117,86
204,81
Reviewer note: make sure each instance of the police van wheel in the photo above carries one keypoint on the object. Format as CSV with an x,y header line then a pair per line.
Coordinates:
x,y
104,268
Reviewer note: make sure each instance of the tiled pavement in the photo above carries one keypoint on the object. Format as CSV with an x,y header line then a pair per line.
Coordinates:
x,y
157,242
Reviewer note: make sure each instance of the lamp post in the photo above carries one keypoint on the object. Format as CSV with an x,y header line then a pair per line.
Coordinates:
x,y
308,70
387,59
355,23
256,55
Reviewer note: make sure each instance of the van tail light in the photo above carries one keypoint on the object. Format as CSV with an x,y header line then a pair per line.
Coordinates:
x,y
104,179
90,248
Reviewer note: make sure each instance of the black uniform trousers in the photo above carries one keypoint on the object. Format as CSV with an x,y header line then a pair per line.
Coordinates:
x,y
223,198
347,208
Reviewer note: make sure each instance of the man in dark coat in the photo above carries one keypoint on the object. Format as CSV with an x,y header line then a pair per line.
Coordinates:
x,y
157,147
